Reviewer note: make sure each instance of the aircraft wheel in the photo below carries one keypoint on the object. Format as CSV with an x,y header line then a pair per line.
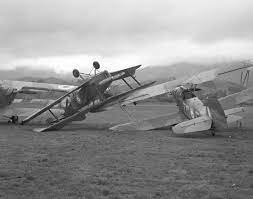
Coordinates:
x,y
213,133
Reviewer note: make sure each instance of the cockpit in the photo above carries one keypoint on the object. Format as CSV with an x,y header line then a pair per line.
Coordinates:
x,y
182,93
187,94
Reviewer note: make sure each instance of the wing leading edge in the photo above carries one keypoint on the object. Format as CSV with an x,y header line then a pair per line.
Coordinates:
x,y
21,85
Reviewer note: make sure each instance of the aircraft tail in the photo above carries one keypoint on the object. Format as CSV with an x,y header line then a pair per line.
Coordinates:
x,y
217,113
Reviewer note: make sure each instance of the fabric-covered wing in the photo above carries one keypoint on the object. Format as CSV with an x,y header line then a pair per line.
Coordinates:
x,y
127,72
21,85
152,91
162,121
214,73
168,86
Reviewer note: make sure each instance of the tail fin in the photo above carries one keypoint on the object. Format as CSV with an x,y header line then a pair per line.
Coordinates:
x,y
216,111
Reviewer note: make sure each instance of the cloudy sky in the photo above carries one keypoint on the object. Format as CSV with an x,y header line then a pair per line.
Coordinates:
x,y
64,34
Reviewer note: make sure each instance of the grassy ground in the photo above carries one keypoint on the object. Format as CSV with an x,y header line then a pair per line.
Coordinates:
x,y
87,161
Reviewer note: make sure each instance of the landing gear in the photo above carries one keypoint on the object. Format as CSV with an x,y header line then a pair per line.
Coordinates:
x,y
13,119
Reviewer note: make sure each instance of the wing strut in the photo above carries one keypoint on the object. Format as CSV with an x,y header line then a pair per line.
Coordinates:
x,y
245,78
49,106
135,80
130,117
127,83
53,115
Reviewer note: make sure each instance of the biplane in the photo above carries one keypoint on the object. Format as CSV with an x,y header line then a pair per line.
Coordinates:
x,y
194,114
90,96
13,109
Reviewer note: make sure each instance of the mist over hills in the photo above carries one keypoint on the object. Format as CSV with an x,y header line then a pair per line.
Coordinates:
x,y
159,73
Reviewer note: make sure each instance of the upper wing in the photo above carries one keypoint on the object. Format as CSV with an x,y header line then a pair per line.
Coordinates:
x,y
152,91
168,86
125,72
21,85
214,73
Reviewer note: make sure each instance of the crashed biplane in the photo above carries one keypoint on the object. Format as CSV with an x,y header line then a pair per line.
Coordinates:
x,y
90,96
13,109
194,114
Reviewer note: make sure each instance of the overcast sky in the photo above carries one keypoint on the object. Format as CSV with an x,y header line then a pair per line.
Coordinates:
x,y
72,33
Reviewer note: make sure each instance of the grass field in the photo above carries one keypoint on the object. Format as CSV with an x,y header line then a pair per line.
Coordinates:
x,y
87,161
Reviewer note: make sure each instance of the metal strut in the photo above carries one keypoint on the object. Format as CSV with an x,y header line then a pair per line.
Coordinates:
x,y
135,80
245,78
53,115
127,83
128,114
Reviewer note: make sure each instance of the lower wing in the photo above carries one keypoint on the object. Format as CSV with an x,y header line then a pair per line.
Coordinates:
x,y
22,113
152,123
194,125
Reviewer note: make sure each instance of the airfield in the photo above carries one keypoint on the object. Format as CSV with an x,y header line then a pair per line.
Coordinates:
x,y
86,160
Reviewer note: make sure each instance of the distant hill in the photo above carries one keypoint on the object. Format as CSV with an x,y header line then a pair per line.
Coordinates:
x,y
169,72
50,80
159,73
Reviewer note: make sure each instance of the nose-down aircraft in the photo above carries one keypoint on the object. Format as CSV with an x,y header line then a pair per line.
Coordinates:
x,y
194,114
90,96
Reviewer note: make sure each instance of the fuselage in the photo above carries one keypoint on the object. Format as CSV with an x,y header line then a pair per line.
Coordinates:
x,y
95,90
192,107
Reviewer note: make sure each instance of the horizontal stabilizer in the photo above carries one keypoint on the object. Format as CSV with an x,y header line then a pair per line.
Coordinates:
x,y
150,124
236,98
198,124
234,110
233,118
